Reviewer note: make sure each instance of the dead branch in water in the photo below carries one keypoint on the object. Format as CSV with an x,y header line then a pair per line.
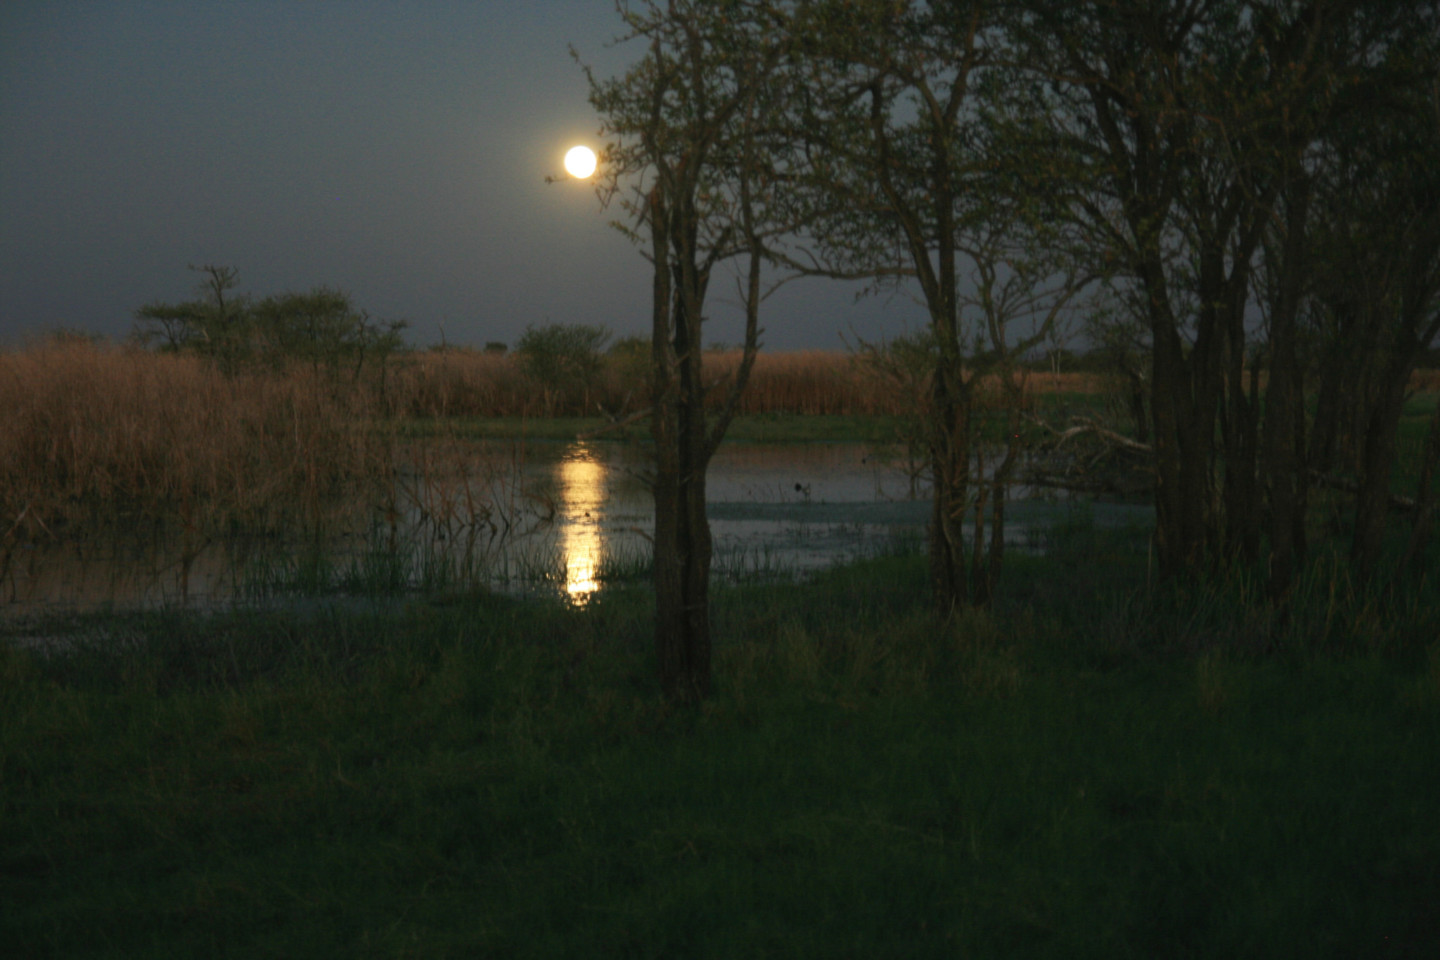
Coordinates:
x,y
1082,475
1346,485
1085,426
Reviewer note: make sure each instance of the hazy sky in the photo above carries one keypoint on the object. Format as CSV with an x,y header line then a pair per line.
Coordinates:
x,y
394,150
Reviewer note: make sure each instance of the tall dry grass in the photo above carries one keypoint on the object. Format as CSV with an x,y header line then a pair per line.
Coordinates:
x,y
1425,381
93,434
814,382
830,382
464,383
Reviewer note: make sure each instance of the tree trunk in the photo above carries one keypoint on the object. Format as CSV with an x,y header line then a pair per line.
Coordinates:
x,y
949,455
1372,500
682,580
1283,473
1182,405
1241,433
1413,558
677,424
1136,399
987,569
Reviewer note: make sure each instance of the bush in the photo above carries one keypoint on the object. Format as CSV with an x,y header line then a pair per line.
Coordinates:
x,y
565,361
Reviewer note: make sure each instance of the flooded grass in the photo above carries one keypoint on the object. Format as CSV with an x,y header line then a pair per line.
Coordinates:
x,y
176,468
520,516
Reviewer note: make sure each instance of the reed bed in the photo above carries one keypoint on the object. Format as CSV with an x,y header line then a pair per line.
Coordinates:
x,y
94,434
1425,381
809,382
827,382
466,383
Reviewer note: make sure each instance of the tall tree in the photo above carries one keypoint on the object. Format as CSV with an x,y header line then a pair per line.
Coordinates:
x,y
693,159
894,126
1186,129
1375,294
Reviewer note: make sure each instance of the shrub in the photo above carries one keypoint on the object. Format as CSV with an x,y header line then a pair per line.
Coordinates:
x,y
564,360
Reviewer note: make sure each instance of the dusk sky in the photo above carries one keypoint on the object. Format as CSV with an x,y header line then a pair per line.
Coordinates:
x,y
396,151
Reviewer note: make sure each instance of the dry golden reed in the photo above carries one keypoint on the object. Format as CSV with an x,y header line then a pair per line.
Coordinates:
x,y
467,383
1425,381
94,434
464,383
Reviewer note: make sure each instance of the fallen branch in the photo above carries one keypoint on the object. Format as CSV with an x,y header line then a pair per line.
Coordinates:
x,y
1081,426
1346,485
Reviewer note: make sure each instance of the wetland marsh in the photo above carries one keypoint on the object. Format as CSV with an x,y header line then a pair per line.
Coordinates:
x,y
393,760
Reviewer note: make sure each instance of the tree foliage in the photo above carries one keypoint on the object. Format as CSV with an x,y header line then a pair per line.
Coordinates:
x,y
565,359
1187,140
694,162
903,186
320,329
1252,181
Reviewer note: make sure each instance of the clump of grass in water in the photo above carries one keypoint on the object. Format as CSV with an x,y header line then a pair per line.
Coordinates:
x,y
628,562
738,563
385,566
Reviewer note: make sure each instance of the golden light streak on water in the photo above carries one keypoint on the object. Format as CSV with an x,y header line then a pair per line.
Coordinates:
x,y
582,492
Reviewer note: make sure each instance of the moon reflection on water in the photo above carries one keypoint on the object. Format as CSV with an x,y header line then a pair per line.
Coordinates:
x,y
598,507
581,494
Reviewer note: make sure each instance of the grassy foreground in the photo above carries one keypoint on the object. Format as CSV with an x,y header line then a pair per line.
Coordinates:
x,y
1082,773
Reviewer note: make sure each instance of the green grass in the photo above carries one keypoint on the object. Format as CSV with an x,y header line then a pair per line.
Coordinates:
x,y
749,428
754,428
495,428
1086,771
1410,436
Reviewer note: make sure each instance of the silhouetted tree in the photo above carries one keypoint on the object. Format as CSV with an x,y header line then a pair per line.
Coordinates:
x,y
692,160
321,328
893,116
564,359
214,324
1185,133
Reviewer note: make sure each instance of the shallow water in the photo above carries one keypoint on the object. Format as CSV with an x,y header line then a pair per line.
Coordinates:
x,y
556,517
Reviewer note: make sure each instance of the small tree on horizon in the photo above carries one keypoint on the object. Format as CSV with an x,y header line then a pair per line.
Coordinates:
x,y
214,324
565,360
320,328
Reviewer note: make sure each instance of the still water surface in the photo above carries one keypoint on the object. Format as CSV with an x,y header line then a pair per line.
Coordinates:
x,y
540,517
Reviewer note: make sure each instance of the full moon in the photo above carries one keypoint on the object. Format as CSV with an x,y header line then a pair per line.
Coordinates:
x,y
580,162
